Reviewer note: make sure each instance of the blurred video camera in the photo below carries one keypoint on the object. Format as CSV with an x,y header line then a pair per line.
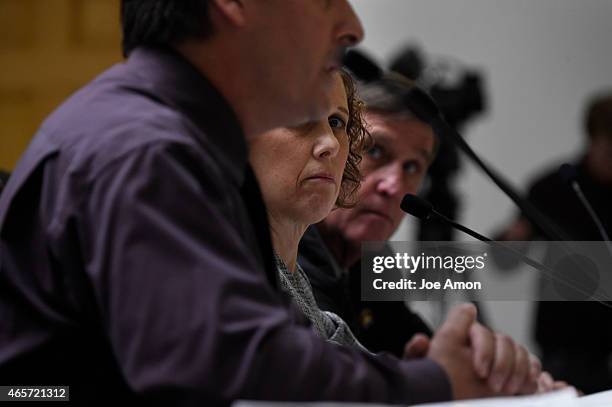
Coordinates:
x,y
458,90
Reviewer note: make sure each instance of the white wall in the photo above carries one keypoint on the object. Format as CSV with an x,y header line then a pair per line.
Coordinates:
x,y
542,58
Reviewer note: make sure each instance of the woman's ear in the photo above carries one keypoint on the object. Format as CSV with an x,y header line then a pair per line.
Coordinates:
x,y
233,11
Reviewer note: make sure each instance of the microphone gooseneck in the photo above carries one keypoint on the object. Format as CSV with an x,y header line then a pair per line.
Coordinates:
x,y
420,208
569,175
422,105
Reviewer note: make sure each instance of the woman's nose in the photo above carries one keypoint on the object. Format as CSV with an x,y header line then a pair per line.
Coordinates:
x,y
326,145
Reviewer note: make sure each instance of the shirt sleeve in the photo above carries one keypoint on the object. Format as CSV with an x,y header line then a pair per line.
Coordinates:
x,y
188,310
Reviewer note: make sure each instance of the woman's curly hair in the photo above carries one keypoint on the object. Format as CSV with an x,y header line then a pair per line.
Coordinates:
x,y
359,140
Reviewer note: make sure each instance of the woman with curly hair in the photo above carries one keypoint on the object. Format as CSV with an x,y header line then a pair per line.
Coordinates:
x,y
304,173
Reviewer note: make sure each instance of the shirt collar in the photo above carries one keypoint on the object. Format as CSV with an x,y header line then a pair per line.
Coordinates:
x,y
177,83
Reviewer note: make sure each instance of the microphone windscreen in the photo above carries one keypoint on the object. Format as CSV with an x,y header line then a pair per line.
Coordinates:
x,y
416,206
568,173
362,66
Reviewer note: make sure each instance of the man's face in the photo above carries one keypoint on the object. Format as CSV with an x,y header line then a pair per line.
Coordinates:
x,y
296,48
393,167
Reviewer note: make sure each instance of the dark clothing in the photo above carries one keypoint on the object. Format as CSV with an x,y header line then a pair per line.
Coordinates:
x,y
3,180
575,337
129,266
329,281
379,326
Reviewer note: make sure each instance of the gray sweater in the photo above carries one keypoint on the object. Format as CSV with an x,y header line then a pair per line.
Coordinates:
x,y
326,324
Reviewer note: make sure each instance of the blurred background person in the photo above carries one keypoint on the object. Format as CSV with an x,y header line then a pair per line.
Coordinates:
x,y
576,337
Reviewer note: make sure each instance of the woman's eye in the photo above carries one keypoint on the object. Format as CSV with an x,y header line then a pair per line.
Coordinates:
x,y
336,123
376,152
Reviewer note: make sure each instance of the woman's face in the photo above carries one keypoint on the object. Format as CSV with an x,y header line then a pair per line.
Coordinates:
x,y
300,169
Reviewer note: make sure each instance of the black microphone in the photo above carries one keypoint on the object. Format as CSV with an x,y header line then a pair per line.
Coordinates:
x,y
569,175
420,208
362,66
422,105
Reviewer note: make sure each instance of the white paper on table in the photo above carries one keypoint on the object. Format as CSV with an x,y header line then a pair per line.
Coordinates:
x,y
560,398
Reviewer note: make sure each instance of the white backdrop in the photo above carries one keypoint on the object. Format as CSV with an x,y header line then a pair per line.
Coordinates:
x,y
541,58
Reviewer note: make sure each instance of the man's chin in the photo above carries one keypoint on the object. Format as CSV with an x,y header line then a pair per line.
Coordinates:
x,y
321,95
303,113
315,114
365,233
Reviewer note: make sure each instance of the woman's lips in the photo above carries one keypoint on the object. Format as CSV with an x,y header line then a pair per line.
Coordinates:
x,y
322,178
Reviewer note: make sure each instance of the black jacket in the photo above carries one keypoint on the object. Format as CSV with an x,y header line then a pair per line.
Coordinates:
x,y
380,326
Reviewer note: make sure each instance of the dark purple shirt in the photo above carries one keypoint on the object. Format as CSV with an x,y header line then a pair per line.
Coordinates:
x,y
129,265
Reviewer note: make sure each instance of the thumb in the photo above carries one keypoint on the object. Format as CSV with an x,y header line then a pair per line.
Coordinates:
x,y
417,347
459,321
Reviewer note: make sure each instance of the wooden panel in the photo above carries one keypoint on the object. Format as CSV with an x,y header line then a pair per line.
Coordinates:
x,y
16,126
48,49
94,23
14,34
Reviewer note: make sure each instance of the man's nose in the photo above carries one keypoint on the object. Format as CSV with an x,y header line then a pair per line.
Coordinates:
x,y
351,31
390,180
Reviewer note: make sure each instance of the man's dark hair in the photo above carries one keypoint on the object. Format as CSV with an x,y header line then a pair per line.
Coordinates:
x,y
163,22
385,98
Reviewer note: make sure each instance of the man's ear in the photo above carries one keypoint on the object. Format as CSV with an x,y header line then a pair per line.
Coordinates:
x,y
233,11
